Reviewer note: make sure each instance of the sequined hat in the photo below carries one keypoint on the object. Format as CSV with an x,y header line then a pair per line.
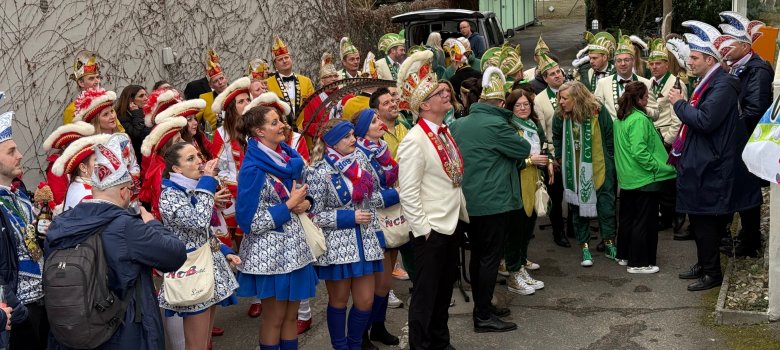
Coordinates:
x,y
213,68
241,85
490,58
84,65
346,47
389,41
416,80
493,82
601,42
624,45
541,46
258,69
658,51
544,62
741,28
510,61
91,102
326,66
65,134
110,166
703,39
6,123
76,152
279,48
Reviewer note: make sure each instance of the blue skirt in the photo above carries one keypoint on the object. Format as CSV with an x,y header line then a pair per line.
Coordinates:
x,y
231,300
335,272
300,284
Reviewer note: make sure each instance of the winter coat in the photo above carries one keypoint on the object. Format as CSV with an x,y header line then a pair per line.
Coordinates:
x,y
755,95
133,122
132,249
711,177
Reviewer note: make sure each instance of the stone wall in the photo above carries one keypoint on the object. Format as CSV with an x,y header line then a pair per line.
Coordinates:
x,y
39,38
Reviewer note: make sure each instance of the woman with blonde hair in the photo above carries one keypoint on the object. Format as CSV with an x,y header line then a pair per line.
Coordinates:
x,y
582,137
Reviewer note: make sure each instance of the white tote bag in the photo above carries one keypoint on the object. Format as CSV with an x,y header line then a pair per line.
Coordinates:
x,y
394,225
193,283
314,236
541,199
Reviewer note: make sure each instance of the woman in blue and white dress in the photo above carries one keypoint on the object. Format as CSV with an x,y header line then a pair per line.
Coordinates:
x,y
368,132
343,191
277,261
187,208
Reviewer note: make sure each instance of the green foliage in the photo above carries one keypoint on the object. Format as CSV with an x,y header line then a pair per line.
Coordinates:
x,y
638,16
700,10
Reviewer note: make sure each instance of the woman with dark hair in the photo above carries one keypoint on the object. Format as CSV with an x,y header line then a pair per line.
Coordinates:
x,y
470,89
525,121
277,261
187,206
640,160
192,134
162,84
129,111
344,206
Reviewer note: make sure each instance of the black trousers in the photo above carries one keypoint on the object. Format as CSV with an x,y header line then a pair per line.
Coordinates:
x,y
667,201
707,231
33,333
436,267
556,198
751,228
637,239
488,235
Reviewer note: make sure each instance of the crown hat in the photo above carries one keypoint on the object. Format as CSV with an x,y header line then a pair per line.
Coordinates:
x,y
269,99
493,82
240,86
76,152
162,133
91,102
110,165
6,126
390,40
601,42
416,80
541,46
213,68
740,27
326,66
85,64
490,58
458,52
658,51
703,38
258,69
279,48
624,45
159,100
346,47
66,134
510,62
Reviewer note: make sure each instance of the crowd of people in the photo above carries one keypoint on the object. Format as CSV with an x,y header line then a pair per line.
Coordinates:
x,y
263,186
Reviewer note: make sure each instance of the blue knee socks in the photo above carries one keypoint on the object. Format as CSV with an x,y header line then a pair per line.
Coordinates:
x,y
358,323
379,310
337,319
291,344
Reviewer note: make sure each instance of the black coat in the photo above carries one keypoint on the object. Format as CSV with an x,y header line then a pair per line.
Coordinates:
x,y
755,95
196,87
460,75
133,122
711,176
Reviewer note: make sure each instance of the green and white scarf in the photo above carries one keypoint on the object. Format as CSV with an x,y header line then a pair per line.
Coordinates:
x,y
579,188
530,133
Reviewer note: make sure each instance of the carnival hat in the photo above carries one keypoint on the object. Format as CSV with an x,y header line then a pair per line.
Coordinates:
x,y
76,152
741,28
493,82
679,49
415,48
159,100
346,47
269,99
458,52
258,69
541,46
6,126
213,68
601,42
84,65
544,62
240,86
704,38
624,45
390,40
91,102
490,58
510,61
279,48
110,164
65,134
465,42
416,80
327,68
162,133
369,67
658,51
181,109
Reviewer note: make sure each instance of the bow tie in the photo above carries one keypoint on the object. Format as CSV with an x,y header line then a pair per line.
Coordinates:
x,y
656,83
601,74
624,81
290,78
442,130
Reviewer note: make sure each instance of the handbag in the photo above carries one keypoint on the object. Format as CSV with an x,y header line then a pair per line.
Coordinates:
x,y
394,225
314,236
541,199
193,283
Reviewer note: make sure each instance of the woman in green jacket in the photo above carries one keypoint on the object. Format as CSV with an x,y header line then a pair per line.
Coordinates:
x,y
640,159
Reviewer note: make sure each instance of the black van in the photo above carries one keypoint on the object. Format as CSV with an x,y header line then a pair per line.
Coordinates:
x,y
419,24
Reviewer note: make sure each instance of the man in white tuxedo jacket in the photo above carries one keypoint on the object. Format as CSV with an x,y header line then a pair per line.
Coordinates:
x,y
430,173
610,88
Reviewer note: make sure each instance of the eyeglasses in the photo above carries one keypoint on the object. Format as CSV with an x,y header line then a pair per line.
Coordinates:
x,y
443,93
624,60
522,105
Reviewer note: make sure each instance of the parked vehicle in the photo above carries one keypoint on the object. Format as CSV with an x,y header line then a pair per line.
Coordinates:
x,y
419,24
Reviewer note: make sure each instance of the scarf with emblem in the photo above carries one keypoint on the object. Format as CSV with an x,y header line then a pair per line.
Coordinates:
x,y
348,165
379,153
579,188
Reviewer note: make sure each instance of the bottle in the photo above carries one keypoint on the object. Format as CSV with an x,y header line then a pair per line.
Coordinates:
x,y
677,83
44,219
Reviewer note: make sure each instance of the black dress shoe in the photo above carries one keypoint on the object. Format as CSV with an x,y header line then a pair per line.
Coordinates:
x,y
662,226
449,347
601,247
683,236
678,222
500,311
560,239
705,282
493,324
694,273
367,344
740,251
379,333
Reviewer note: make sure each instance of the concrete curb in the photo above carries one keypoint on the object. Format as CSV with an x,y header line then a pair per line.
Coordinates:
x,y
725,316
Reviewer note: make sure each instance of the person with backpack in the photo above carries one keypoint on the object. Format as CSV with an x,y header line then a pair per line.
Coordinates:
x,y
100,237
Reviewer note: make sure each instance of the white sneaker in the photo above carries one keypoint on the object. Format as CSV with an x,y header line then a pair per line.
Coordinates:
x,y
516,284
622,262
643,269
502,268
393,301
536,284
530,265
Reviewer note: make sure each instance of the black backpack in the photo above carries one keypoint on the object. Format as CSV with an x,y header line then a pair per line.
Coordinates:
x,y
83,313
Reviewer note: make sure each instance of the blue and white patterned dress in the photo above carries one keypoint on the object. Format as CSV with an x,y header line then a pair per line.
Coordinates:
x,y
187,213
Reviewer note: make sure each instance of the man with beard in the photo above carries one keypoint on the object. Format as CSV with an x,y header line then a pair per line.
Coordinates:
x,y
392,45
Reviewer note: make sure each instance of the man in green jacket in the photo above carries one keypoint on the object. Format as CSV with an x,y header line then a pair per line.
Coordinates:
x,y
492,152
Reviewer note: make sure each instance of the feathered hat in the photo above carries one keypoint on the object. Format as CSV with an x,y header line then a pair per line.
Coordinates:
x,y
279,48
369,67
601,42
624,45
679,49
465,42
704,38
741,28
257,69
6,126
346,47
159,100
213,68
240,86
389,41
84,65
638,42
493,82
457,52
91,102
65,134
110,165
510,61
76,152
326,66
658,51
416,80
181,109
161,134
269,99
490,58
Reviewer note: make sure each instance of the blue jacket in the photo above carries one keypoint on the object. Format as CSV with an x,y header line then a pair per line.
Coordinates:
x,y
755,95
478,44
711,177
132,249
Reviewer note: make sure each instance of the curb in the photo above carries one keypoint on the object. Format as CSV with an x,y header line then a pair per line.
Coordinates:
x,y
725,316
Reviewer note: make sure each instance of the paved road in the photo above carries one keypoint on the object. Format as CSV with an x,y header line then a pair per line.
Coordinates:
x,y
563,36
